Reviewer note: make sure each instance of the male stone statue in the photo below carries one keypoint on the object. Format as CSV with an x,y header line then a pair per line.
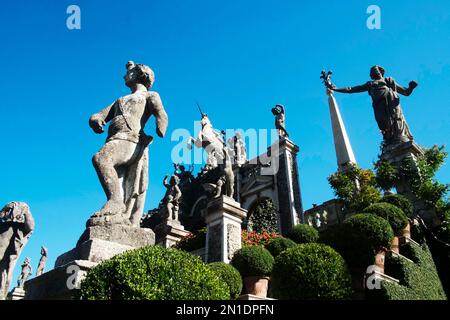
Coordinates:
x,y
278,112
225,184
171,200
25,274
237,148
42,261
16,227
122,163
385,102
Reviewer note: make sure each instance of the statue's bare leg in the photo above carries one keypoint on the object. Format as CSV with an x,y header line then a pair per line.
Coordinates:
x,y
112,155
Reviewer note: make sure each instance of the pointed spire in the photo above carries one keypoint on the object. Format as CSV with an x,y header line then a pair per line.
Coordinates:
x,y
344,151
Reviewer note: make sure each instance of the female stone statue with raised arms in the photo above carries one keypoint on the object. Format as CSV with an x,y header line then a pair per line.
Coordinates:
x,y
385,102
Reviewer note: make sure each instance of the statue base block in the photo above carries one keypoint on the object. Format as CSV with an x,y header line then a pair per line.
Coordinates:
x,y
169,233
17,294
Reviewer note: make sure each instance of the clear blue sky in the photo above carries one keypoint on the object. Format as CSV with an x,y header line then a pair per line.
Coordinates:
x,y
238,58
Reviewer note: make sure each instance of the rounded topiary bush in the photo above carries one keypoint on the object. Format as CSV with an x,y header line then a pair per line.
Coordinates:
x,y
399,201
253,261
311,271
360,238
303,233
278,245
393,214
230,276
153,273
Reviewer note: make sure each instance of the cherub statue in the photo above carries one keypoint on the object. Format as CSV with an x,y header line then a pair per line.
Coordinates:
x,y
42,261
225,184
278,112
26,272
122,163
171,200
385,102
237,149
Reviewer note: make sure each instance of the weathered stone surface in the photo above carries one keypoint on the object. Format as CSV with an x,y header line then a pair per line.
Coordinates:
x,y
121,234
95,250
169,233
60,283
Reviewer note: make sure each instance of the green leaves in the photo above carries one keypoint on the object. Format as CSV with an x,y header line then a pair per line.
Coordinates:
x,y
153,273
394,215
303,233
253,261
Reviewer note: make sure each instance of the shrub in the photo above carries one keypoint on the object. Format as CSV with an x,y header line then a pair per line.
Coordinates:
x,y
278,245
394,215
253,261
230,276
254,238
153,273
419,279
311,271
303,233
263,217
399,201
359,238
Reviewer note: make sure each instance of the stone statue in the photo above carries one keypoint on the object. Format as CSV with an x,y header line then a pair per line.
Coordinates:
x,y
42,261
16,227
25,274
385,102
278,112
210,140
237,147
186,176
225,183
171,200
122,163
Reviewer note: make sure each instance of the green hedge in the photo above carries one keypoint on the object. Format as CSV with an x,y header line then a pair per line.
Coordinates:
x,y
278,245
153,273
303,233
253,261
230,276
192,242
359,238
311,271
399,201
418,279
393,214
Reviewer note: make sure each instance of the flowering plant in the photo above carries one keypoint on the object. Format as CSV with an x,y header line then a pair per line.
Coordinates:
x,y
254,238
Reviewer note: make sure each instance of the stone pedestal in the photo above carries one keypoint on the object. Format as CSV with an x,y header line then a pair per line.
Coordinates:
x,y
96,244
17,294
168,233
395,154
223,218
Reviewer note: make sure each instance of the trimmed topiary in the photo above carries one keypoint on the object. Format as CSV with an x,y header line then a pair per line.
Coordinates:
x,y
230,276
399,201
303,233
153,273
359,238
311,271
278,245
394,215
253,261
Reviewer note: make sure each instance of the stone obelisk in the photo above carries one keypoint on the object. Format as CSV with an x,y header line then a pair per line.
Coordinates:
x,y
344,151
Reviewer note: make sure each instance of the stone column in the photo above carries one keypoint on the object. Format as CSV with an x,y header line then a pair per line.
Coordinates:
x,y
288,185
395,155
168,233
224,217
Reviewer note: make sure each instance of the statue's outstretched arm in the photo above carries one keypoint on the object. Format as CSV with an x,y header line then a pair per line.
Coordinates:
x,y
406,91
356,89
161,118
165,182
98,120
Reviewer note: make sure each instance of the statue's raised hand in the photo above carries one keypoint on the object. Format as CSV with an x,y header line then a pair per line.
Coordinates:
x,y
97,125
413,84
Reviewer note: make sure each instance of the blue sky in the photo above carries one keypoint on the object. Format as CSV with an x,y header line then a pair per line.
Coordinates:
x,y
238,58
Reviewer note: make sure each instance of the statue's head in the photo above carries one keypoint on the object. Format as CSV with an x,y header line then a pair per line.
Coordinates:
x,y
6,212
14,212
27,260
376,72
174,180
182,168
139,73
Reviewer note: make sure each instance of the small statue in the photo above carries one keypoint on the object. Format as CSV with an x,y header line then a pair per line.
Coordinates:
x,y
225,184
186,176
385,103
122,163
318,222
310,221
237,148
42,261
16,227
171,200
25,274
278,112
